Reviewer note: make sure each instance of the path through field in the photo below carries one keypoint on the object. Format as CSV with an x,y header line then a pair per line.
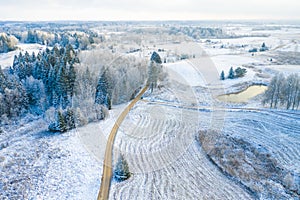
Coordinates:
x,y
107,164
167,162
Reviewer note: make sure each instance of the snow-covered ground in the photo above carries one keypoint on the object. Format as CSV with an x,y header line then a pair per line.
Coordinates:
x,y
37,164
159,144
159,137
188,74
6,59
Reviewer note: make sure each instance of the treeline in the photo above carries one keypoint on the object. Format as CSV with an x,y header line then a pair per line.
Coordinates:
x,y
68,93
7,43
283,91
199,32
79,40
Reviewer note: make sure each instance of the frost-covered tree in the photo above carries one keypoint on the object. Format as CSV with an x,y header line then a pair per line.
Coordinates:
x,y
264,47
240,72
291,89
285,91
3,81
7,43
102,94
273,95
121,171
154,70
59,125
155,57
36,95
62,126
70,119
231,73
222,76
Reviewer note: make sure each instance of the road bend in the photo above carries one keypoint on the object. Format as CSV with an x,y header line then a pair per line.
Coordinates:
x,y
107,164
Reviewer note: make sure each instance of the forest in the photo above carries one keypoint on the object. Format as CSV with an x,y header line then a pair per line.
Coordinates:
x,y
69,93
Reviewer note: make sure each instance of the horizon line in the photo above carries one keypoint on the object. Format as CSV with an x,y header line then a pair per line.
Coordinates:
x,y
149,20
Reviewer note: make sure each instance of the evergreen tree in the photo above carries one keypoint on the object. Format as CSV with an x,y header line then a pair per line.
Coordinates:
x,y
121,171
231,73
70,119
102,95
155,58
62,126
240,72
71,80
3,81
222,76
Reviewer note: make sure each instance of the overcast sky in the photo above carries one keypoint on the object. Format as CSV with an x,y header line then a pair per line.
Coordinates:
x,y
148,10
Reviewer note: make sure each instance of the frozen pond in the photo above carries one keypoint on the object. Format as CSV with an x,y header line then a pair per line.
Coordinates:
x,y
244,95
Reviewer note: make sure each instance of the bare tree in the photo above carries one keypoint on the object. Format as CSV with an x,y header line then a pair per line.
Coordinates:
x,y
285,91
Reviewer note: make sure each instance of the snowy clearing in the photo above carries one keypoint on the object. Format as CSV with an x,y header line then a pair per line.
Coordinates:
x,y
189,75
6,59
36,164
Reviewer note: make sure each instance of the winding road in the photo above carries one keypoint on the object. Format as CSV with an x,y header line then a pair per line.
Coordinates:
x,y
107,164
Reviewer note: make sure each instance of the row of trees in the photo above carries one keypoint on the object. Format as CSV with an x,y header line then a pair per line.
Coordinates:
x,y
237,73
283,91
199,32
79,40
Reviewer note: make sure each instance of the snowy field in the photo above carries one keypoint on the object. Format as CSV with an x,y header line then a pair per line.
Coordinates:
x,y
160,136
6,59
167,162
36,164
186,71
159,144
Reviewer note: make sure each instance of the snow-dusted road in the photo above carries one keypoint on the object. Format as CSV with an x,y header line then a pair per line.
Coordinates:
x,y
107,169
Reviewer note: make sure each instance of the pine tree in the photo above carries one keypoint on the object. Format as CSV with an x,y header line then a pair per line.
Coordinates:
x,y
70,119
121,172
222,76
71,80
240,72
231,73
155,58
102,95
62,126
3,81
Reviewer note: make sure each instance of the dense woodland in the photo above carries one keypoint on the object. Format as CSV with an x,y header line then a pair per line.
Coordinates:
x,y
67,92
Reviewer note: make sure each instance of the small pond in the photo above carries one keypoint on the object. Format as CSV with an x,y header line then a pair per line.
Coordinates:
x,y
244,95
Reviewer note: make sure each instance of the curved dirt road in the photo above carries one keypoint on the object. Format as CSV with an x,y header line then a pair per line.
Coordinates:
x,y
107,164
